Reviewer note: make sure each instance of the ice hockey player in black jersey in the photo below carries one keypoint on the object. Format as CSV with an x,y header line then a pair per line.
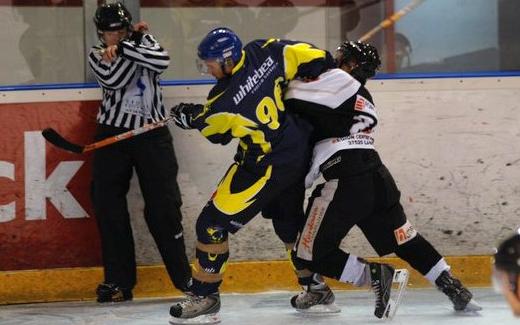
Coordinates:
x,y
359,189
272,155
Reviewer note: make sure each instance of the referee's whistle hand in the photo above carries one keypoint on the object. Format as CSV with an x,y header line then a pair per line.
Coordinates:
x,y
110,53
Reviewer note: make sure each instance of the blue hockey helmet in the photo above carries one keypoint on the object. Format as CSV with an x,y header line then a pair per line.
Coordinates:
x,y
221,44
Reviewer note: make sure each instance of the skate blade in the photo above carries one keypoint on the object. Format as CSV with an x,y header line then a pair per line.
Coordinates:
x,y
202,319
401,277
321,309
471,307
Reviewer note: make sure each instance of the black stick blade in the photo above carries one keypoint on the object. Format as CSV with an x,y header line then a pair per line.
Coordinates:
x,y
53,137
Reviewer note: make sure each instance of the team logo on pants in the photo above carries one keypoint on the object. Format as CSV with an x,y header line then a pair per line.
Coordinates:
x,y
405,233
315,218
306,245
231,203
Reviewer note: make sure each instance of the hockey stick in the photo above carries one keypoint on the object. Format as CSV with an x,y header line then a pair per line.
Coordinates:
x,y
56,139
391,20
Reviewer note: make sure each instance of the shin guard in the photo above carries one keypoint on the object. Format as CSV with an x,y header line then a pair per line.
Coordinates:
x,y
209,266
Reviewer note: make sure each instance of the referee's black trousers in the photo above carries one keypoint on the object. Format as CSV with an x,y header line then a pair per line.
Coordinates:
x,y
152,156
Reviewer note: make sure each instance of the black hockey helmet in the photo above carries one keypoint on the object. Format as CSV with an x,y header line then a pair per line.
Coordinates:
x,y
507,257
112,16
364,55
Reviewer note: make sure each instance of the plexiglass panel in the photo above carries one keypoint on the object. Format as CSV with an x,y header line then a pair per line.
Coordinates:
x,y
44,40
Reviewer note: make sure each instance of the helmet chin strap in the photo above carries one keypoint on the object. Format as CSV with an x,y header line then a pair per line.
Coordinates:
x,y
225,64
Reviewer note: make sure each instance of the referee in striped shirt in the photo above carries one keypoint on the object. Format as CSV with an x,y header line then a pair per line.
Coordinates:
x,y
127,64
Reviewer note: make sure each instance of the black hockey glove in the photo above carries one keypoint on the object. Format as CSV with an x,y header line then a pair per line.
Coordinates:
x,y
136,37
183,114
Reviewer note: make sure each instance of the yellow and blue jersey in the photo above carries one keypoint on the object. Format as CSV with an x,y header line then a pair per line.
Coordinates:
x,y
248,104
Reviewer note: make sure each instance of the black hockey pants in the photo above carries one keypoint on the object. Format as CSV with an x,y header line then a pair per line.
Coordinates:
x,y
359,190
152,156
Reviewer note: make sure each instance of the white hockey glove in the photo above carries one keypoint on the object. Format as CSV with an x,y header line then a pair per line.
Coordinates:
x,y
183,114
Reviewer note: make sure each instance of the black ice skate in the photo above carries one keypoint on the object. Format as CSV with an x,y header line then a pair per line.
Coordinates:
x,y
461,298
381,278
316,298
108,292
196,310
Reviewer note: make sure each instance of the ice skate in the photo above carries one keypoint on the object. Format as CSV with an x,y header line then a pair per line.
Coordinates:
x,y
315,299
196,310
401,277
381,278
108,292
461,297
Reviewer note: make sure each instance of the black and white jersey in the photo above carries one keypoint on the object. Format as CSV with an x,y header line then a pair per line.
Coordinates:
x,y
340,109
131,91
336,104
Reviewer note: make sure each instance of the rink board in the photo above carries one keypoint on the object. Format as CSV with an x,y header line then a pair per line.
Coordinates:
x,y
456,163
240,277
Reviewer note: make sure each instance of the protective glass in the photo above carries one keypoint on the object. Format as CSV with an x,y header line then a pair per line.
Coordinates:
x,y
201,66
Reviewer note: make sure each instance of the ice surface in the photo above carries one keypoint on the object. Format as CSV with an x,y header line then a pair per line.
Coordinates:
x,y
418,307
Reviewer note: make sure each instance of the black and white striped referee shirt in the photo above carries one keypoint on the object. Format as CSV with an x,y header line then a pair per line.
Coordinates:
x,y
131,93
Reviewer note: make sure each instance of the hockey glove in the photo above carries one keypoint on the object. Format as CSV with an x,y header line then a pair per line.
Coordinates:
x,y
183,114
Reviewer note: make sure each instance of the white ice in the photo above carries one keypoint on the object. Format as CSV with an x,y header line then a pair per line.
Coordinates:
x,y
418,307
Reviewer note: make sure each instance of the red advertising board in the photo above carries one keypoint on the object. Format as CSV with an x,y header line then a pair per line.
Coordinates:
x,y
46,218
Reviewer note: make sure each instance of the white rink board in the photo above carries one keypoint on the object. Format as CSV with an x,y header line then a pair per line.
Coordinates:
x,y
453,146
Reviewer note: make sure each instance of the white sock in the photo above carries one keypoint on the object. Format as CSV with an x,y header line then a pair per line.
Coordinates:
x,y
355,272
436,270
317,282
